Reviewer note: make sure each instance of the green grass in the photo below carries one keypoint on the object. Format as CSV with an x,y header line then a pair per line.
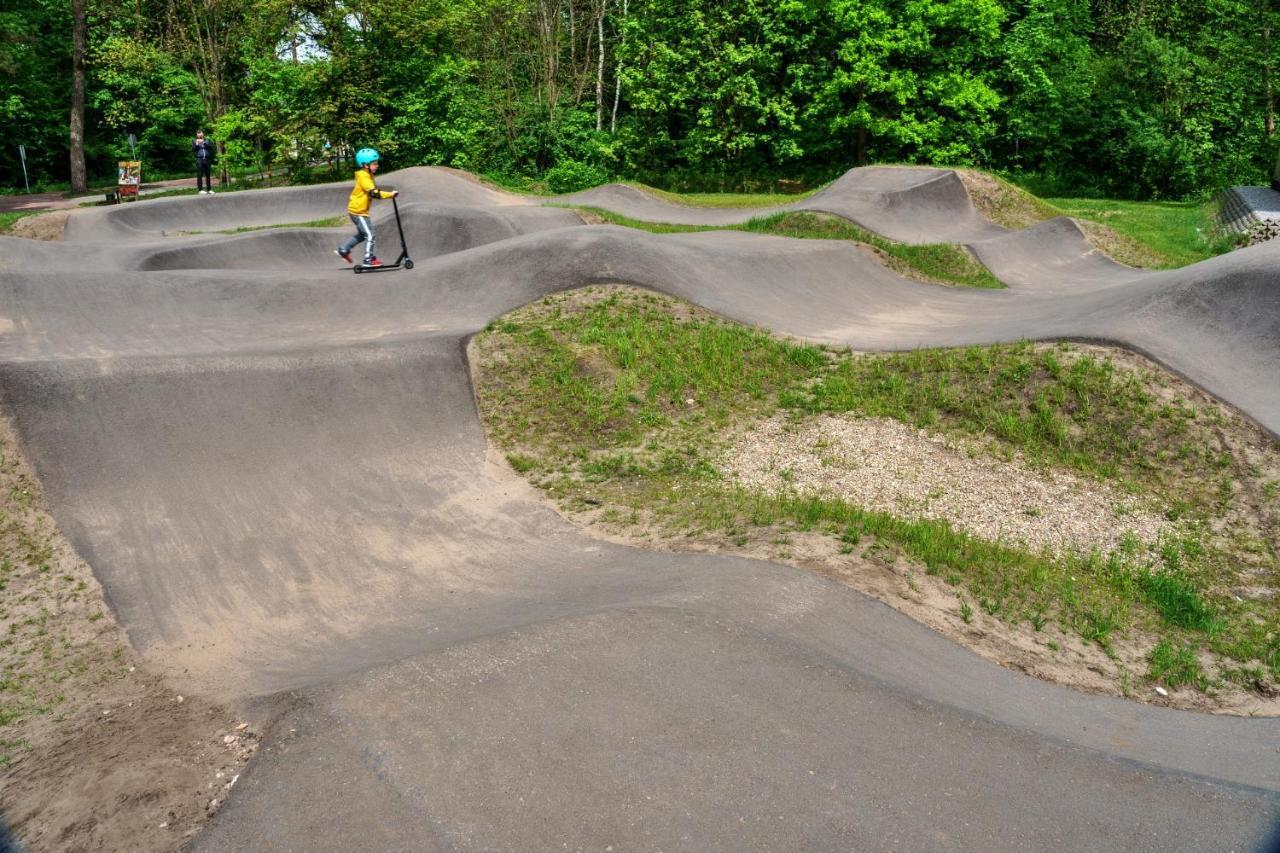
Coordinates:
x,y
1054,404
1178,231
622,399
940,262
1156,234
330,222
7,220
722,200
1176,599
1175,664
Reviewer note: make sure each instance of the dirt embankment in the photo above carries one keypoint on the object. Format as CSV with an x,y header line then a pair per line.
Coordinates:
x,y
43,226
97,752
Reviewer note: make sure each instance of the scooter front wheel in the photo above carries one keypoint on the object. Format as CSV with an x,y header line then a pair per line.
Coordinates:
x,y
408,263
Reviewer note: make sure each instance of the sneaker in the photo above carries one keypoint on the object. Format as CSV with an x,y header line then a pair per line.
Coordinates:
x,y
372,262
346,256
204,192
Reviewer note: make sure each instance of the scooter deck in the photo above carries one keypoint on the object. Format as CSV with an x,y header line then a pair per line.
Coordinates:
x,y
403,262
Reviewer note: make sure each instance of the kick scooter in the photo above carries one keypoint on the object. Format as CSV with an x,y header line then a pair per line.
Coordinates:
x,y
404,260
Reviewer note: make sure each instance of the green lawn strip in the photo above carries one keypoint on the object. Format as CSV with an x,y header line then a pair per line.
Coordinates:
x,y
623,399
722,200
330,222
1180,232
938,262
9,219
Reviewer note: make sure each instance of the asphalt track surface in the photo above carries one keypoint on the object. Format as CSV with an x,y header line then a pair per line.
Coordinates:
x,y
277,471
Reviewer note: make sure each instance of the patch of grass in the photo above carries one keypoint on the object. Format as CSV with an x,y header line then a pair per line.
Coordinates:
x,y
621,399
936,262
1175,664
1176,599
1054,404
610,373
520,463
329,222
723,200
1176,232
7,220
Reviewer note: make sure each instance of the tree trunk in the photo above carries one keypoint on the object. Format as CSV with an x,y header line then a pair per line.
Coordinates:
x,y
79,35
600,70
617,75
1267,88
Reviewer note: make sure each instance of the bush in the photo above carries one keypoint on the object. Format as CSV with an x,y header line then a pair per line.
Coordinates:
x,y
573,175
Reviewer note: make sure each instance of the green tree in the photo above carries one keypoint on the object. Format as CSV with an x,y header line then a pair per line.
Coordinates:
x,y
913,80
1049,78
721,88
139,88
35,84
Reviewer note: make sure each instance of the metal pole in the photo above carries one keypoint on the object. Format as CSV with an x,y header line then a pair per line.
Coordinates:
x,y
22,152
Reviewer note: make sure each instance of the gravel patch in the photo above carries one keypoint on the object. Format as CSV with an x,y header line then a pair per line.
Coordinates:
x,y
885,465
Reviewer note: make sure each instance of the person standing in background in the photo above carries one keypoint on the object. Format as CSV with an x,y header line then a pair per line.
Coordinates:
x,y
203,149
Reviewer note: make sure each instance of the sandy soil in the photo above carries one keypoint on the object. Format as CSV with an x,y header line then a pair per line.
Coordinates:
x,y
97,752
43,226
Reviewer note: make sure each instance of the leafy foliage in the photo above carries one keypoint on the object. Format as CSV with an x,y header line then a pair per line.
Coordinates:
x,y
1106,97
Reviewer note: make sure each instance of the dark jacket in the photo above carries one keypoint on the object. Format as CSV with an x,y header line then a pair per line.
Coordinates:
x,y
204,151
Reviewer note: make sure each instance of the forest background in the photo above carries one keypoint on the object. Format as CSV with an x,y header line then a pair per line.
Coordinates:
x,y
1126,98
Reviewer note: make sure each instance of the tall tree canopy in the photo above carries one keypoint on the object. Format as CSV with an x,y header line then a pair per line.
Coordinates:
x,y
1125,97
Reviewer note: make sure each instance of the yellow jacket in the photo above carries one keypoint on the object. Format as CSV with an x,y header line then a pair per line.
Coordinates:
x,y
364,190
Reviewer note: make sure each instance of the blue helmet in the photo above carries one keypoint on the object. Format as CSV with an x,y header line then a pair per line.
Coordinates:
x,y
365,156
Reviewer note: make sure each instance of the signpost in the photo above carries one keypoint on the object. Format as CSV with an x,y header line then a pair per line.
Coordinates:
x,y
22,152
130,178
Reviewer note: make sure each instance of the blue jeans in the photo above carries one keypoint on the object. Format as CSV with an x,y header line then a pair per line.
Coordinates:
x,y
364,232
